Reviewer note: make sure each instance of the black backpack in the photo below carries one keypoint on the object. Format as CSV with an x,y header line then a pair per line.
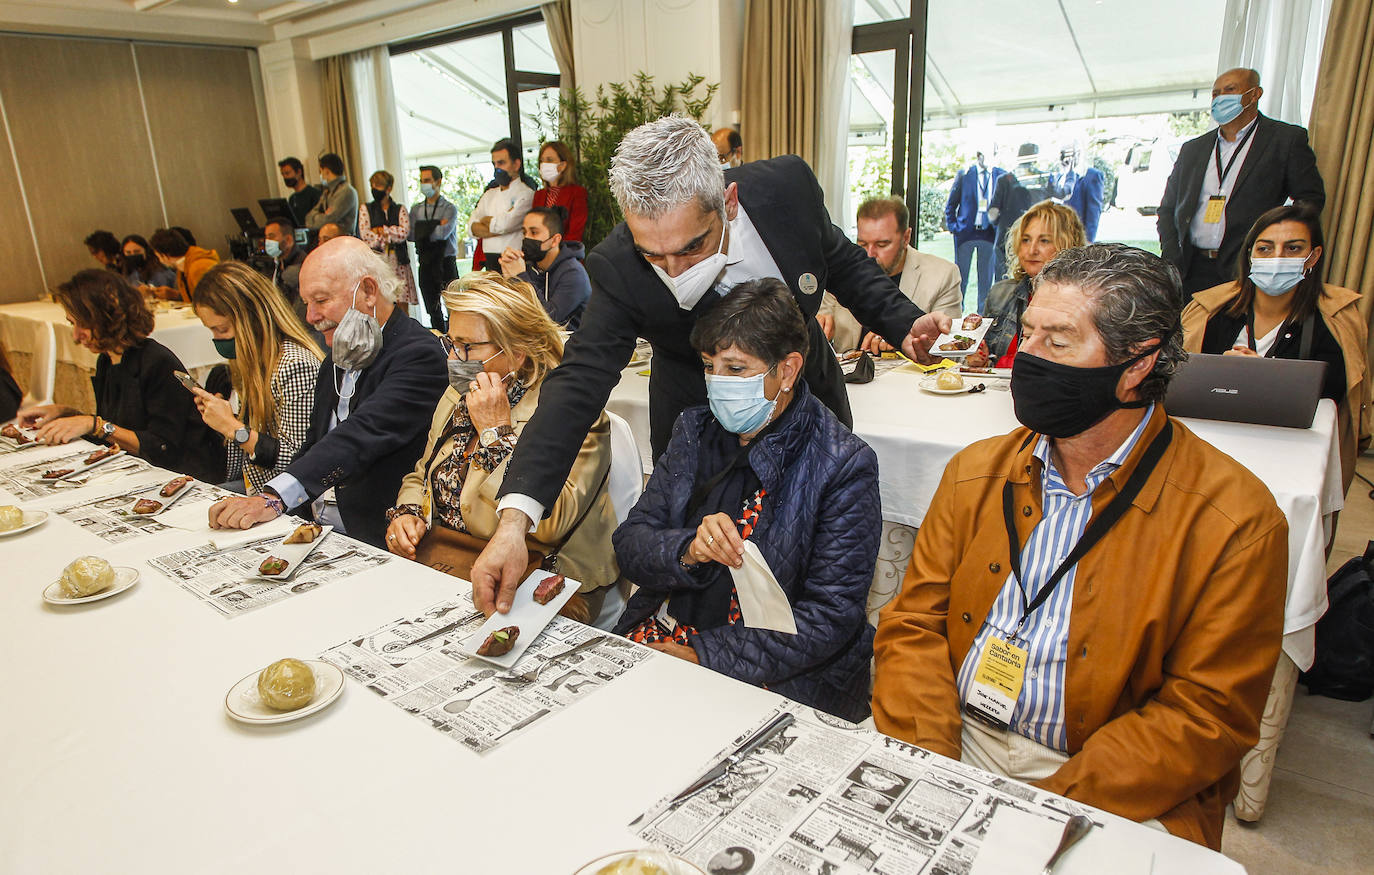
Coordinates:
x,y
1344,667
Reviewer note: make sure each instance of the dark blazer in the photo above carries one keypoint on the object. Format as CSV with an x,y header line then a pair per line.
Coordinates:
x,y
366,455
961,208
1279,165
785,204
818,530
141,395
1086,200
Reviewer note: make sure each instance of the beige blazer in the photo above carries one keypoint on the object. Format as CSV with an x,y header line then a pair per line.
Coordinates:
x,y
931,282
587,556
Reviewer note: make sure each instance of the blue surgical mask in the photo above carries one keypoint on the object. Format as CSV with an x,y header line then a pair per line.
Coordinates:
x,y
739,403
1276,276
273,248
225,347
426,189
1226,107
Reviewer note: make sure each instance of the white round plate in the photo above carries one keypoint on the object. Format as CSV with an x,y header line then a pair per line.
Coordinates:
x,y
245,705
124,578
32,519
678,865
928,385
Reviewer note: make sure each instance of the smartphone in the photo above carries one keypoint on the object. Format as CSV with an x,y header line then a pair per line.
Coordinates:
x,y
186,380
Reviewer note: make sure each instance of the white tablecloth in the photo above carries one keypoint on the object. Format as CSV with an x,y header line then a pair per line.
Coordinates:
x,y
915,434
40,329
116,754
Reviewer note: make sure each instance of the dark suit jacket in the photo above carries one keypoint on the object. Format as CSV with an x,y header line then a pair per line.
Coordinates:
x,y
628,300
1086,200
961,208
366,455
1279,165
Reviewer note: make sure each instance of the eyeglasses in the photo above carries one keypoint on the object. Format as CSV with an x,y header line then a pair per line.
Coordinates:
x,y
452,348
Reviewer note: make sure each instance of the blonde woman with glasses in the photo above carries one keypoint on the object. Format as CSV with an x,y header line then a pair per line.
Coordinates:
x,y
501,344
273,362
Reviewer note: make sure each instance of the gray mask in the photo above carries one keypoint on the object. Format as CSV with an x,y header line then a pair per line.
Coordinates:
x,y
462,373
358,339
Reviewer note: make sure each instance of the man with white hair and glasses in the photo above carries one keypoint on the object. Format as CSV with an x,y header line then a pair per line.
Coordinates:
x,y
691,233
369,423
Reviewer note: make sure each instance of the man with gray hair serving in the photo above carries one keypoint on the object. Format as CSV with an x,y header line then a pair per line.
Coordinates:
x,y
1095,601
367,427
690,234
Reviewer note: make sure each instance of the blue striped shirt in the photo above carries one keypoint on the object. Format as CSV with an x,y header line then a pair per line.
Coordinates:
x,y
1039,712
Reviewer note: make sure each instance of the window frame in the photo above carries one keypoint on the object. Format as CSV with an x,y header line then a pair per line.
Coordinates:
x,y
906,39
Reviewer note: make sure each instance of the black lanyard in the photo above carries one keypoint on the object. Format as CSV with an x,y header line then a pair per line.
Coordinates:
x,y
1304,343
1096,530
1235,153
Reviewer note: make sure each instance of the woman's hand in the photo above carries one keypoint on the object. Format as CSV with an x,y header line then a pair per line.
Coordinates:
x,y
874,345
717,540
979,359
64,429
404,533
32,417
1241,350
679,650
488,405
216,412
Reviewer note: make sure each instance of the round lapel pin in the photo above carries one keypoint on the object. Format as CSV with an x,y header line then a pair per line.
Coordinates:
x,y
807,283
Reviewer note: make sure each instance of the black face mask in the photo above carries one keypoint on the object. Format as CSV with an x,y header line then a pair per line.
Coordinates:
x,y
136,261
501,177
1060,401
378,194
290,183
533,250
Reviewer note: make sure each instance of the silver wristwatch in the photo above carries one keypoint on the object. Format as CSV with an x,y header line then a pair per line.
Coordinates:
x,y
490,436
108,429
241,435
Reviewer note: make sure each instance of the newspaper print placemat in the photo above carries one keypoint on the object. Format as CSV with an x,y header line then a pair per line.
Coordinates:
x,y
24,478
826,796
108,516
226,579
415,664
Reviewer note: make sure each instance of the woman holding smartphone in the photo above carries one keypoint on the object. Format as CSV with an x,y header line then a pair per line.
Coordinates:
x,y
138,405
273,363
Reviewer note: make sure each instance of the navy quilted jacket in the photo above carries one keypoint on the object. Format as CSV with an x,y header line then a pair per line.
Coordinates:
x,y
818,529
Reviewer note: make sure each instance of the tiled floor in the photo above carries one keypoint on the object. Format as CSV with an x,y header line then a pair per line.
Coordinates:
x,y
1320,814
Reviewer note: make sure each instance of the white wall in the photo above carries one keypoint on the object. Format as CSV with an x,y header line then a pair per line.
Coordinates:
x,y
668,39
293,98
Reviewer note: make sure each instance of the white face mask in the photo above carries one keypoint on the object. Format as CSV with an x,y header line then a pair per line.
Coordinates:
x,y
689,286
548,173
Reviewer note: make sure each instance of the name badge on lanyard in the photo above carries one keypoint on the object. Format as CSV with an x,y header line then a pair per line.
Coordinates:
x,y
997,682
1216,207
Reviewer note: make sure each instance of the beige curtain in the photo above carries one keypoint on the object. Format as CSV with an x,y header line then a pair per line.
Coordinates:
x,y
1342,130
339,136
558,21
782,53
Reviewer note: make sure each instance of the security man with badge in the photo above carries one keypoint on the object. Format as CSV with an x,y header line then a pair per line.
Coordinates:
x,y
690,233
1095,601
1225,179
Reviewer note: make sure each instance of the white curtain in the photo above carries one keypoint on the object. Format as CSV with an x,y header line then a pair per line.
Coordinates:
x,y
1282,39
372,107
832,147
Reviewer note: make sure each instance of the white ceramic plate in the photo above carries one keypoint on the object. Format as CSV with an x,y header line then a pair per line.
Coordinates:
x,y
32,519
83,468
10,444
156,495
530,616
243,703
294,554
992,374
678,865
928,385
124,578
975,333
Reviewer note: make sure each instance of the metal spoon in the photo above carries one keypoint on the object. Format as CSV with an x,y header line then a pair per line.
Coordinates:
x,y
1077,827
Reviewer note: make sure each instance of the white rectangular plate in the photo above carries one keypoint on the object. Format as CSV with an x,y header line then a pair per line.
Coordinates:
x,y
156,495
83,468
294,554
976,334
526,613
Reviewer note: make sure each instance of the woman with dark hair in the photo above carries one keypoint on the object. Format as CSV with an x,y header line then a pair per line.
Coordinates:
x,y
764,464
11,396
559,172
1278,307
273,363
139,406
141,266
384,225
